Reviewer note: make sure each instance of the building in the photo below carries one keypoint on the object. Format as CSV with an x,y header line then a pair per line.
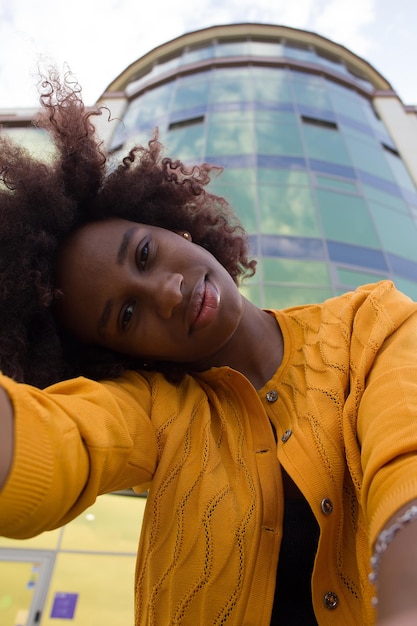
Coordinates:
x,y
318,151
319,163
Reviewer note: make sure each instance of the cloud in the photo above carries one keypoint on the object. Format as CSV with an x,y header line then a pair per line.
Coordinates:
x,y
100,39
346,22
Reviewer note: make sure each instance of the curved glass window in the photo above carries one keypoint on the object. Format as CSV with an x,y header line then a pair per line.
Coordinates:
x,y
310,90
287,211
193,55
230,85
191,92
357,255
309,167
266,48
278,133
299,52
292,247
325,143
235,48
403,267
350,279
295,271
271,86
346,218
397,231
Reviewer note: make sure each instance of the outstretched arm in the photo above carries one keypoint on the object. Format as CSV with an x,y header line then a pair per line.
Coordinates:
x,y
387,434
6,436
63,446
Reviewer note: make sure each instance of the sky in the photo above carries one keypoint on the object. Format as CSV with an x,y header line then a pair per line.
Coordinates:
x,y
98,39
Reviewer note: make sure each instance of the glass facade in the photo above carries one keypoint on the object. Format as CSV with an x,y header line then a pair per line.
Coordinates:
x,y
308,166
321,188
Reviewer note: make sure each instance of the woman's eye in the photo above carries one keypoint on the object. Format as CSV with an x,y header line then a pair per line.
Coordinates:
x,y
143,256
127,315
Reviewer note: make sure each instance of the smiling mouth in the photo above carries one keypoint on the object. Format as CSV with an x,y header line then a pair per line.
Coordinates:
x,y
205,305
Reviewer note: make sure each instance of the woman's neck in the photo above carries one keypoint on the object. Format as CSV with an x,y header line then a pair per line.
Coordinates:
x,y
255,349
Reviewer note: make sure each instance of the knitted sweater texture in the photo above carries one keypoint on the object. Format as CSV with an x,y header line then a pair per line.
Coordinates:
x,y
342,421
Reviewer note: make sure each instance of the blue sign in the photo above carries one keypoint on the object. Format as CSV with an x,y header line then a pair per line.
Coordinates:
x,y
64,605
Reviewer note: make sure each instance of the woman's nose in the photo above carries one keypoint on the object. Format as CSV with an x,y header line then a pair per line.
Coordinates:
x,y
167,294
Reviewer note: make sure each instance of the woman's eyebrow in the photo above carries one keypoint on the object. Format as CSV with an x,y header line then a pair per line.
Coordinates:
x,y
124,245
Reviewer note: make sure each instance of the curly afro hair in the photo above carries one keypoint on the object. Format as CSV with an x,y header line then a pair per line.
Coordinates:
x,y
41,204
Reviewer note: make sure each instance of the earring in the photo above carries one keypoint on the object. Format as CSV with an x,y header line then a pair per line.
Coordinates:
x,y
186,235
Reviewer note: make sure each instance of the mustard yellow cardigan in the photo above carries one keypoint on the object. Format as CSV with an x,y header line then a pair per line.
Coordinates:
x,y
344,408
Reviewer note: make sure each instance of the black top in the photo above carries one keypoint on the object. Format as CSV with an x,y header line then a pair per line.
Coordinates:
x,y
293,603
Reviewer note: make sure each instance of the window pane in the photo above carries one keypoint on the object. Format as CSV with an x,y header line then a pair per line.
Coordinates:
x,y
229,118
282,297
271,85
242,199
165,66
234,176
278,133
357,255
398,232
252,291
18,587
99,528
265,49
287,211
103,585
325,144
300,53
233,137
387,199
230,85
347,102
308,248
185,143
198,54
349,126
311,92
336,183
270,176
407,287
44,541
400,171
238,48
295,271
346,218
401,266
353,279
190,93
154,103
368,157
328,60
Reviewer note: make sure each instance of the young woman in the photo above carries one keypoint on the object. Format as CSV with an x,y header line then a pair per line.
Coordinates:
x,y
279,447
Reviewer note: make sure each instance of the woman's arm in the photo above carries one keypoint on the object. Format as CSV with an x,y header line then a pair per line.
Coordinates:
x,y
386,370
6,436
66,445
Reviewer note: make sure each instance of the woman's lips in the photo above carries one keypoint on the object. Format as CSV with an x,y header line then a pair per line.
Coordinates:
x,y
207,303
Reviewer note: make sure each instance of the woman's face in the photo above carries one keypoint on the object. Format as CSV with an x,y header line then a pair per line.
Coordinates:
x,y
147,292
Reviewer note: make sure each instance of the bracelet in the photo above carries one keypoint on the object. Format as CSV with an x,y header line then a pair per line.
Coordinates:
x,y
384,539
